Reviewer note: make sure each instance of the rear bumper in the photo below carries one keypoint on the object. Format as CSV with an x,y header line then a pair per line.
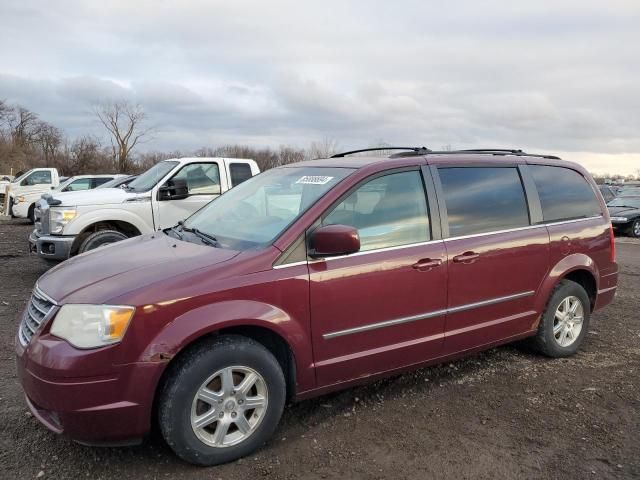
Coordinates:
x,y
111,409
51,247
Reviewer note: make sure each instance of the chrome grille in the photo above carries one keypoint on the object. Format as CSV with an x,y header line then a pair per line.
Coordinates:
x,y
41,216
37,311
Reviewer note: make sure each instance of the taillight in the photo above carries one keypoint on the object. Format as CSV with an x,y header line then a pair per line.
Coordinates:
x,y
613,244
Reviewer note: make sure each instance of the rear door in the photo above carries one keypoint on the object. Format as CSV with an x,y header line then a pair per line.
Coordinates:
x,y
383,307
204,183
497,257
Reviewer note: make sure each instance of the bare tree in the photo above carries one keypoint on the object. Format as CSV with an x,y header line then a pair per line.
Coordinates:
x,y
22,124
125,123
323,149
49,139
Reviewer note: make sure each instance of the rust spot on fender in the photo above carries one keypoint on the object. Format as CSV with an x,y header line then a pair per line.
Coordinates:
x,y
159,354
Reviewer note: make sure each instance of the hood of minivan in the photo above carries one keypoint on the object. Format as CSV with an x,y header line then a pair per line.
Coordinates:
x,y
111,271
97,196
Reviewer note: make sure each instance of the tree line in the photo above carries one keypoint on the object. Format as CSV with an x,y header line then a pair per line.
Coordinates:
x,y
27,141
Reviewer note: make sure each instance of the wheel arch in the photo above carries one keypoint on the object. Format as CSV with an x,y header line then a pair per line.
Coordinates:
x,y
578,268
283,336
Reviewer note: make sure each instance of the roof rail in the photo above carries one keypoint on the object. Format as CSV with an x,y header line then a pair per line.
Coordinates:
x,y
488,151
415,150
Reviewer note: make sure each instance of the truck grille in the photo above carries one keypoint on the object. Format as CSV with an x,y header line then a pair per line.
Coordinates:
x,y
37,311
41,217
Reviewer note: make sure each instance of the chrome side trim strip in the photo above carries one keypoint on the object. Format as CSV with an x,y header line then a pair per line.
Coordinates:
x,y
493,301
431,242
605,290
424,316
44,295
388,323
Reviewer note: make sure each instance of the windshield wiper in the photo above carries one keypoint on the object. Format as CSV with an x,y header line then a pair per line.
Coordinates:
x,y
205,237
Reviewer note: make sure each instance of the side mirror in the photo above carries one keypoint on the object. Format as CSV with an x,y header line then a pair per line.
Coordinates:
x,y
333,240
174,189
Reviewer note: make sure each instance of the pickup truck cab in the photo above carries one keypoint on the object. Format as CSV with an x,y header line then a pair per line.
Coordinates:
x,y
24,204
32,183
69,223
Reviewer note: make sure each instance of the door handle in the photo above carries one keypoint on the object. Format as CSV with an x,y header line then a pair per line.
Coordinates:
x,y
466,257
426,264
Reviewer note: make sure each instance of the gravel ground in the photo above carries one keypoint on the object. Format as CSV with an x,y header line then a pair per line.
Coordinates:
x,y
505,413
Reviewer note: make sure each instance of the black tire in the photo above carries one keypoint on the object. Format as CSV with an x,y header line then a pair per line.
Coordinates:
x,y
101,238
11,207
634,228
31,215
187,375
545,341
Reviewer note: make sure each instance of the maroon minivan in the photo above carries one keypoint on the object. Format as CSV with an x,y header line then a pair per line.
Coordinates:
x,y
309,278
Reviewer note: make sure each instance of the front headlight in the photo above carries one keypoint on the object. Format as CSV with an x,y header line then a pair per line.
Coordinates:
x,y
619,219
59,217
92,326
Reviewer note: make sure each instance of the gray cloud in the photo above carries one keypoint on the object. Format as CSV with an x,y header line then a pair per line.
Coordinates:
x,y
546,75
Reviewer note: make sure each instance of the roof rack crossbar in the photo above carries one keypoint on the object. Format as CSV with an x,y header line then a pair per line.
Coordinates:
x,y
418,150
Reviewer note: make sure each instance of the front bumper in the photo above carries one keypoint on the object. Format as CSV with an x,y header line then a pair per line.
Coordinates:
x,y
20,210
51,247
111,407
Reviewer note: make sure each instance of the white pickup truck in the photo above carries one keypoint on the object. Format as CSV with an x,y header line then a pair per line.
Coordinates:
x,y
70,223
24,204
32,183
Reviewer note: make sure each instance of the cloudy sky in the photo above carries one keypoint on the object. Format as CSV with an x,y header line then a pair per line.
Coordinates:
x,y
550,76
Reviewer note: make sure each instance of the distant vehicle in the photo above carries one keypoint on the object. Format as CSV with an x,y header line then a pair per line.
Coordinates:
x,y
24,204
119,182
71,223
310,278
608,193
31,184
625,215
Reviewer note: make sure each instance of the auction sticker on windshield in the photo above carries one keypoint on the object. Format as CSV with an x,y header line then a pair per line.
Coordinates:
x,y
314,180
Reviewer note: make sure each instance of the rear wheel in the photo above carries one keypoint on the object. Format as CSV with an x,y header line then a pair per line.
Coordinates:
x,y
222,400
565,321
634,229
100,239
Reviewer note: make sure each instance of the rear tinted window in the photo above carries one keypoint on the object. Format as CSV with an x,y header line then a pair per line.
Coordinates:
x,y
483,199
564,194
239,173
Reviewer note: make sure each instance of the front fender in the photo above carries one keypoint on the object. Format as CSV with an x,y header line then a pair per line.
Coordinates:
x,y
207,319
88,218
568,264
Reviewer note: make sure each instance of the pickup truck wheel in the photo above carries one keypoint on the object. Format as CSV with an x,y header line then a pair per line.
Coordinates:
x,y
221,401
565,321
100,239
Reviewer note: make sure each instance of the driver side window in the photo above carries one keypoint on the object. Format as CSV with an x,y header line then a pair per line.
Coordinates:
x,y
201,178
38,178
388,211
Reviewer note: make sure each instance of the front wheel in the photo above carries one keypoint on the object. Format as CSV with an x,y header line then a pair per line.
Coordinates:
x,y
221,400
565,321
100,239
634,229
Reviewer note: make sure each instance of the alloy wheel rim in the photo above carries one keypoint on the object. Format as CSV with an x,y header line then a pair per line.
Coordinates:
x,y
568,321
636,228
229,406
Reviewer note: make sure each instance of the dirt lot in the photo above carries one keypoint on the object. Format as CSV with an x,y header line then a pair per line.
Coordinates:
x,y
502,414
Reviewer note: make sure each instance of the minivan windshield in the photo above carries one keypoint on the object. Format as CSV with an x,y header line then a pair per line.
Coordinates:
x,y
151,177
255,212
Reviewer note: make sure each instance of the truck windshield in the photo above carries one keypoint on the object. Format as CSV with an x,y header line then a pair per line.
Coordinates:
x,y
151,177
21,177
255,212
